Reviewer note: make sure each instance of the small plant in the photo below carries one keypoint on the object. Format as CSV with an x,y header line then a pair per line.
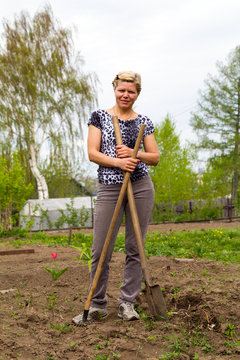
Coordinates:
x,y
55,272
230,330
51,357
44,216
205,345
169,356
18,298
51,301
176,290
139,348
148,322
85,255
101,357
72,217
64,328
171,313
232,345
116,356
176,345
151,338
13,315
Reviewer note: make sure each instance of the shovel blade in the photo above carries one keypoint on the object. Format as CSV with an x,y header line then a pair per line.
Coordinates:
x,y
156,302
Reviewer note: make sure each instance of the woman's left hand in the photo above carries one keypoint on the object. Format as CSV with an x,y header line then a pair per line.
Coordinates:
x,y
123,151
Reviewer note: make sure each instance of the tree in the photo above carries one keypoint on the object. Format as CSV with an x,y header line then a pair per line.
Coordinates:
x,y
44,95
173,177
217,119
65,180
215,181
13,189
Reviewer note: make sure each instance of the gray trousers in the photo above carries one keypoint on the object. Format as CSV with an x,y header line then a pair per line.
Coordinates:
x,y
107,197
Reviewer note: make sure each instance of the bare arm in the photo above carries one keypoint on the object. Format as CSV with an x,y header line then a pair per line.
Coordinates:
x,y
150,156
94,154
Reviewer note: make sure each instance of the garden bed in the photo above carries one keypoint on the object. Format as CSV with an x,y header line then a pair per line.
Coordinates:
x,y
202,299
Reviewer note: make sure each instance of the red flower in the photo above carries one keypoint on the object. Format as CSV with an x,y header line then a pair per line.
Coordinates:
x,y
54,255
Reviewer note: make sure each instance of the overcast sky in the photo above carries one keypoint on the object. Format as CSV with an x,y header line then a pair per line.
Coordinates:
x,y
173,44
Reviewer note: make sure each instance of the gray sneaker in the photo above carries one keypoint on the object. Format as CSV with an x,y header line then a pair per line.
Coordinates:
x,y
127,312
93,314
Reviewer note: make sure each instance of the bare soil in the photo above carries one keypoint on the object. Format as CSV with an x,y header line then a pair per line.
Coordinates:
x,y
202,298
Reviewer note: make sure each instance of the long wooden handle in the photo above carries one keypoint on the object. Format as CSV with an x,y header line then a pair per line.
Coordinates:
x,y
133,210
153,292
112,225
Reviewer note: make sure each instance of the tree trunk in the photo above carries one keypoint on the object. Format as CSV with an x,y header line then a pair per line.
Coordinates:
x,y
7,219
70,235
41,182
236,151
235,185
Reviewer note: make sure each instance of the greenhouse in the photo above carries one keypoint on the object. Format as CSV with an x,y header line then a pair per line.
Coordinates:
x,y
45,214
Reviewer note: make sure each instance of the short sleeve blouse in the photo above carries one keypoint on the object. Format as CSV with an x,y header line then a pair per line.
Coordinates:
x,y
129,130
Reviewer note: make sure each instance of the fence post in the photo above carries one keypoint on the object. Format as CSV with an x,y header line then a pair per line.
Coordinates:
x,y
190,207
229,209
92,209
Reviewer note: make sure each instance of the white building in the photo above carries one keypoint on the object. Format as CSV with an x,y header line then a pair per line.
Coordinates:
x,y
44,213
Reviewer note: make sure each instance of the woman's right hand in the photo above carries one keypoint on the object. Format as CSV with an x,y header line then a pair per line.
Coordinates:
x,y
128,164
94,154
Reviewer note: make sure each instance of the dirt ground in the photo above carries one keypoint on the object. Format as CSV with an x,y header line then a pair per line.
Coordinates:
x,y
202,299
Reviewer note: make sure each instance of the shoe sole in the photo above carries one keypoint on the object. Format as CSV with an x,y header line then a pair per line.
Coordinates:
x,y
127,319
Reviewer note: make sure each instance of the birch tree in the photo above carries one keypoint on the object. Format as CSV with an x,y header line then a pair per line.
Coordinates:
x,y
217,119
44,94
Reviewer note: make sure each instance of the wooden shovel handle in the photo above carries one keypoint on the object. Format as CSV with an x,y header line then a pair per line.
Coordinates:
x,y
133,210
113,223
154,294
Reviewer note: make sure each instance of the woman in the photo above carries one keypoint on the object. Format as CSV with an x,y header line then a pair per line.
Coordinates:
x,y
112,161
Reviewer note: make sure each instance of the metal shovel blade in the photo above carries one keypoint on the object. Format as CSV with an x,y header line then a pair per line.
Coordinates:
x,y
155,301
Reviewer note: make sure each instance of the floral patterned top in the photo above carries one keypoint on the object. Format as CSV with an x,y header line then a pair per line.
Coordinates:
x,y
129,130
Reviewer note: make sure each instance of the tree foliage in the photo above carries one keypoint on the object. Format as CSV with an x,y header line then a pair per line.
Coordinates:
x,y
13,189
173,178
217,119
44,94
215,181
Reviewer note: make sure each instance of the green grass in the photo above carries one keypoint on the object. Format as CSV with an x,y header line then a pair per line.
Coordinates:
x,y
214,244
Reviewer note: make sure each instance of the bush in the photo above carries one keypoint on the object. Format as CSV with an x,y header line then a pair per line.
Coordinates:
x,y
14,191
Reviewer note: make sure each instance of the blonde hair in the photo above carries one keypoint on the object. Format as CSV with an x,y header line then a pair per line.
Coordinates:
x,y
128,76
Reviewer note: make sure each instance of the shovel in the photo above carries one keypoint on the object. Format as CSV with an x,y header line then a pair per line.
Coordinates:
x,y
111,228
153,292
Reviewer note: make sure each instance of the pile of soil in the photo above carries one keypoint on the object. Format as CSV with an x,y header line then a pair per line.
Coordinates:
x,y
202,298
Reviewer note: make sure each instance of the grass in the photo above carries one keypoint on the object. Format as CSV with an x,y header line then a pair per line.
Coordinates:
x,y
213,244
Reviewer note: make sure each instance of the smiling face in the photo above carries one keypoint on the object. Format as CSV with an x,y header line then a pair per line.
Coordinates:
x,y
126,94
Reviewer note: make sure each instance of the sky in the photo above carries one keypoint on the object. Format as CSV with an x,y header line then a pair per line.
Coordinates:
x,y
173,44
